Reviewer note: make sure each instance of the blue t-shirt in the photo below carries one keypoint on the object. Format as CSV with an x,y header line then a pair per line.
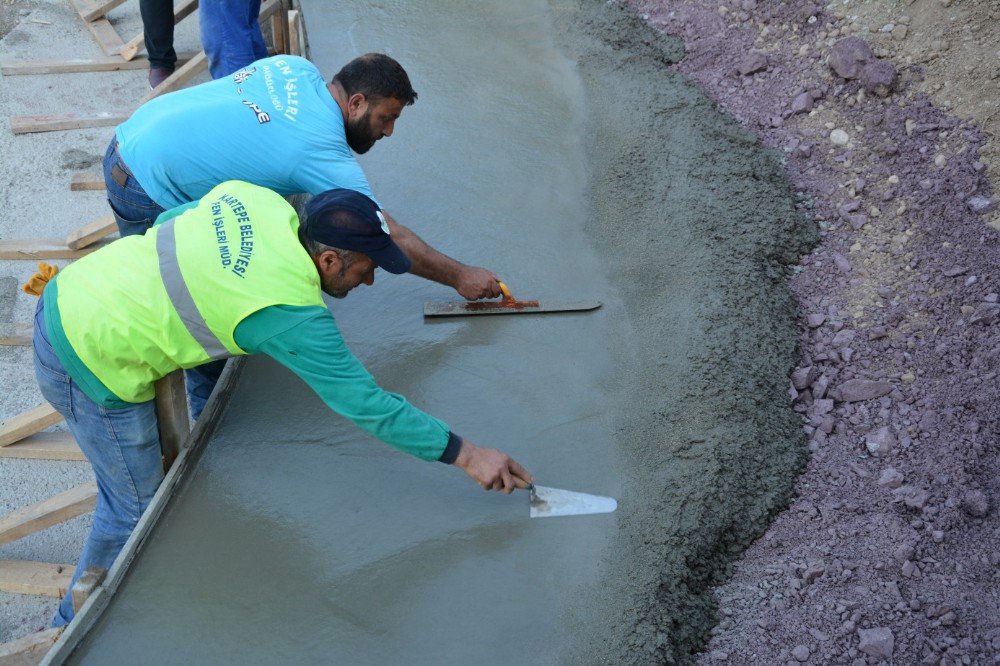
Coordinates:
x,y
273,123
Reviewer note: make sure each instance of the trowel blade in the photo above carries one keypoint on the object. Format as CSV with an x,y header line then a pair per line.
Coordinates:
x,y
547,502
463,308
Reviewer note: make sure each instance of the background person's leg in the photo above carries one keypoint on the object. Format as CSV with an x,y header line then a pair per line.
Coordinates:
x,y
230,35
158,33
123,447
200,382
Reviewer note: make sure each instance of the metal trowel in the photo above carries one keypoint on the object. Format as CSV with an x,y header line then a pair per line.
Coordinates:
x,y
549,502
506,305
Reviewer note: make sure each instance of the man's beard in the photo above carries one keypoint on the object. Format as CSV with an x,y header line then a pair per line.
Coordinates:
x,y
359,134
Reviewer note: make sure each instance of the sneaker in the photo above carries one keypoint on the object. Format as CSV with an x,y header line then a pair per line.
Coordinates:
x,y
158,75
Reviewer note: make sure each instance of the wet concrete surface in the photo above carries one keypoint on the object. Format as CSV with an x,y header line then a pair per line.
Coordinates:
x,y
550,143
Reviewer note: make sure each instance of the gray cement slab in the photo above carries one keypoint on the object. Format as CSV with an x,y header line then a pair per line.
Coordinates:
x,y
552,144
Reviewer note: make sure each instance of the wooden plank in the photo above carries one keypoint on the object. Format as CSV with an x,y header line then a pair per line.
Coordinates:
x,y
279,28
84,181
95,12
294,33
56,509
180,76
136,44
29,650
41,578
89,234
45,248
78,65
267,9
100,29
32,421
171,416
55,445
54,122
15,335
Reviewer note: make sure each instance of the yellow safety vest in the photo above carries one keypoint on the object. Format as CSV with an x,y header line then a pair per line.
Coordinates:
x,y
147,305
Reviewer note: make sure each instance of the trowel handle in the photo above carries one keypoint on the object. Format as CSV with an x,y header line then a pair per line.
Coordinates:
x,y
505,291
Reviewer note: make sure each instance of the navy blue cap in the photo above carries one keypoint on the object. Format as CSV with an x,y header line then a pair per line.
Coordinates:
x,y
351,221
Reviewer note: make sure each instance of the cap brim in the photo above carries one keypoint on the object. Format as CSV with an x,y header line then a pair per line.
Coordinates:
x,y
390,258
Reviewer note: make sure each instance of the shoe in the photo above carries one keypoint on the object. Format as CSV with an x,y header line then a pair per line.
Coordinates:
x,y
158,75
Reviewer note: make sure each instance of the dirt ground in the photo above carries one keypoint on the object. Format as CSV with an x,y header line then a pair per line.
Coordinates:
x,y
889,552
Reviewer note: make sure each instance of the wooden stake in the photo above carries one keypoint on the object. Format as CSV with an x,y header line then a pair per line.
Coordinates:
x,y
279,28
32,421
45,248
171,415
180,76
78,65
91,233
30,649
15,335
57,445
41,578
86,584
84,181
57,509
294,36
54,122
134,45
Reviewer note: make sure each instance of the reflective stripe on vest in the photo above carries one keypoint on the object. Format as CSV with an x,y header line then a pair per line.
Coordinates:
x,y
180,295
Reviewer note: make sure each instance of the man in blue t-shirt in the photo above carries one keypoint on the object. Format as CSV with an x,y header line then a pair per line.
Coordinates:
x,y
275,123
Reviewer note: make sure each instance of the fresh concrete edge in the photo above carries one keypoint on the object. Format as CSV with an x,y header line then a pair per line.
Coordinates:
x,y
90,612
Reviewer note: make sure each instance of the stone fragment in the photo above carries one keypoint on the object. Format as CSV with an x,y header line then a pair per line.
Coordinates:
x,y
813,571
980,204
955,271
877,333
815,320
803,103
752,63
839,137
843,338
801,653
803,377
890,478
879,78
880,442
976,503
911,496
848,56
841,262
985,313
856,390
877,642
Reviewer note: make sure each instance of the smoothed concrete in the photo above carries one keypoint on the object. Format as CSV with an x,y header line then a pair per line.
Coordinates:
x,y
551,144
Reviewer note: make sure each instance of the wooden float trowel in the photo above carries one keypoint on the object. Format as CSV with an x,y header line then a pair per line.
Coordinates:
x,y
506,305
549,502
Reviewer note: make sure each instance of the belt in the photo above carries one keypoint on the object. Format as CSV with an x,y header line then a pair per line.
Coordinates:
x,y
120,171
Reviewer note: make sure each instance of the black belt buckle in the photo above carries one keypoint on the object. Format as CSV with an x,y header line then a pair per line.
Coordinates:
x,y
119,175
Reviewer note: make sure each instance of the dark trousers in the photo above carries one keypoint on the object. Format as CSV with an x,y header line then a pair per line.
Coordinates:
x,y
158,30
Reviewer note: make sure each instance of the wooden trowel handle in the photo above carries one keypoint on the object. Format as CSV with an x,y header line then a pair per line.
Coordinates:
x,y
505,291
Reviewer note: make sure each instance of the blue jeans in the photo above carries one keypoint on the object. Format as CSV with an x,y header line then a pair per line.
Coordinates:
x,y
123,447
134,211
230,35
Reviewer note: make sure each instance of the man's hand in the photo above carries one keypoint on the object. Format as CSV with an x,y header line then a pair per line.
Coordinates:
x,y
474,283
492,469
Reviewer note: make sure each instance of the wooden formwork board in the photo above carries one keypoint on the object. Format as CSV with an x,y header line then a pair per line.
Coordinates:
x,y
56,509
181,75
90,233
79,65
55,445
41,578
27,650
84,181
91,11
45,248
28,423
15,335
54,122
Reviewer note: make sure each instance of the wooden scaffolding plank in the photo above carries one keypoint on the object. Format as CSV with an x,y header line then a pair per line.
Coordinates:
x,y
94,12
56,509
83,181
55,122
15,335
100,29
41,578
45,248
28,423
294,33
134,45
180,76
56,445
29,650
89,234
78,65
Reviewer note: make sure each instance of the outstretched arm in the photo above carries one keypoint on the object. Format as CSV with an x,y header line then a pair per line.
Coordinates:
x,y
472,282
